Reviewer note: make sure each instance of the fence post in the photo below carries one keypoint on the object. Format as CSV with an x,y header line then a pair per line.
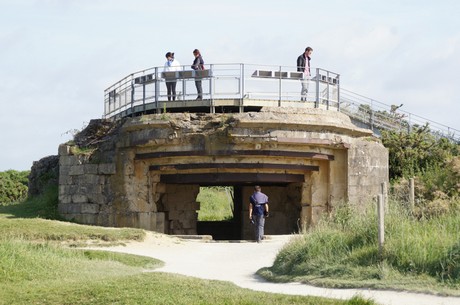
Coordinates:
x,y
381,223
411,194
384,192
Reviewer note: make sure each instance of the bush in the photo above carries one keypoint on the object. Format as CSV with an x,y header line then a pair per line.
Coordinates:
x,y
13,186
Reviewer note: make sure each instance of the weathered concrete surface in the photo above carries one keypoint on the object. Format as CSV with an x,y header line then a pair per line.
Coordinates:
x,y
146,171
43,174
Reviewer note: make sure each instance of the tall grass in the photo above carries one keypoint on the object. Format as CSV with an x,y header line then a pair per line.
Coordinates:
x,y
342,251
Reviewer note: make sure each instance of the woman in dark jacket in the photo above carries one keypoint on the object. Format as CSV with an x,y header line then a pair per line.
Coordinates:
x,y
198,64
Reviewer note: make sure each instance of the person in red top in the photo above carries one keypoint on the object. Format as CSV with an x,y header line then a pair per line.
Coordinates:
x,y
258,210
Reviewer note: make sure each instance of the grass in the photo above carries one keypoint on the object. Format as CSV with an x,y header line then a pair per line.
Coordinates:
x,y
216,204
420,255
37,266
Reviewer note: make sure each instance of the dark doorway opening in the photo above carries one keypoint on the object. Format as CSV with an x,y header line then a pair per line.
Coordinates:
x,y
222,219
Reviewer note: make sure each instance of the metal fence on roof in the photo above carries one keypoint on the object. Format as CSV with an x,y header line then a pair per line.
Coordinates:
x,y
245,87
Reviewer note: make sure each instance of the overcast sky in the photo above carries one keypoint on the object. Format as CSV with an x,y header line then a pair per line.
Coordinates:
x,y
58,56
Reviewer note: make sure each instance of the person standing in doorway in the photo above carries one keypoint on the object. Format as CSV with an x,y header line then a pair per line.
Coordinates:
x,y
198,64
258,210
303,65
171,65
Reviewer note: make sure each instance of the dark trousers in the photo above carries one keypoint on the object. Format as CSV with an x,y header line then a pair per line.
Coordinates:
x,y
171,87
259,223
199,89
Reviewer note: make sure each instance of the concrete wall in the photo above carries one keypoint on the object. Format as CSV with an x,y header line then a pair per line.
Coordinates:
x,y
122,182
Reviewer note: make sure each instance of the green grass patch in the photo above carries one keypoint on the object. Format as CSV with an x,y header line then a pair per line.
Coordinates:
x,y
43,206
25,221
419,254
71,234
37,266
155,288
216,203
47,273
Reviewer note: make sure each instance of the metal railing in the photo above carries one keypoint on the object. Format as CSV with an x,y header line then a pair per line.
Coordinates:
x,y
236,87
223,85
370,113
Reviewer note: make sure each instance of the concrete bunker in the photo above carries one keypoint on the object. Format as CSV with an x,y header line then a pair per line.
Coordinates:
x,y
146,171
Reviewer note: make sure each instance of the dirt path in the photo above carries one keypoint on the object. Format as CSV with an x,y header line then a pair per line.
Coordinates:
x,y
238,261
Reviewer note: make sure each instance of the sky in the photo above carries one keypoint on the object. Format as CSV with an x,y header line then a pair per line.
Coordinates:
x,y
58,56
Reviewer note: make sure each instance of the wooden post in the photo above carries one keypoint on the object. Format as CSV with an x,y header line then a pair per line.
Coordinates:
x,y
384,191
411,194
381,222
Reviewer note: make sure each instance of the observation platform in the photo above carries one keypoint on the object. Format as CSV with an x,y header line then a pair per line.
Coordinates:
x,y
239,87
226,88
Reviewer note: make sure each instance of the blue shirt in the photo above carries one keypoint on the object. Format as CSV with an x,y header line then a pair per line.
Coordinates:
x,y
258,201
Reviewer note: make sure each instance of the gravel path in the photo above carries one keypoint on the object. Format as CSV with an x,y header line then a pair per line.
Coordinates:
x,y
237,262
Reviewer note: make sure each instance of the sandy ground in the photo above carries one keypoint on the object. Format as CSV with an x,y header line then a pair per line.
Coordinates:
x,y
237,262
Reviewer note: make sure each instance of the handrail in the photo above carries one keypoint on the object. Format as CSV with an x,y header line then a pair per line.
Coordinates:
x,y
245,86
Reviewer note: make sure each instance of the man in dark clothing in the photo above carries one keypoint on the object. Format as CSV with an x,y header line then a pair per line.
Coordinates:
x,y
198,64
303,65
258,210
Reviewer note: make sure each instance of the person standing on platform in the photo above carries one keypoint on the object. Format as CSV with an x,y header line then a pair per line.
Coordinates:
x,y
303,65
198,64
170,66
258,211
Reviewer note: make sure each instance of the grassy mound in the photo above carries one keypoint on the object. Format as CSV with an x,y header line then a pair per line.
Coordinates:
x,y
420,254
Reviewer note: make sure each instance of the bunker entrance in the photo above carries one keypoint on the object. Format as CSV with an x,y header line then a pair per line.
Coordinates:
x,y
187,190
217,215
224,211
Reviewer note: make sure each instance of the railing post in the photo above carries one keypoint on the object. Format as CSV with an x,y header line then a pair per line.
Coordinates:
x,y
211,101
317,88
211,83
279,89
371,118
338,92
242,87
184,85
327,87
157,88
132,97
143,98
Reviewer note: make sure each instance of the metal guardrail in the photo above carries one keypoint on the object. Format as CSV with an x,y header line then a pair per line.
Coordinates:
x,y
224,85
227,87
375,115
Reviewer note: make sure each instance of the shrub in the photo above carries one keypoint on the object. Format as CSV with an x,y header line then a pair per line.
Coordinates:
x,y
13,186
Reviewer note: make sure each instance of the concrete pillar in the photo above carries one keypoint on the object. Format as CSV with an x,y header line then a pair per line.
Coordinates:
x,y
319,192
305,212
